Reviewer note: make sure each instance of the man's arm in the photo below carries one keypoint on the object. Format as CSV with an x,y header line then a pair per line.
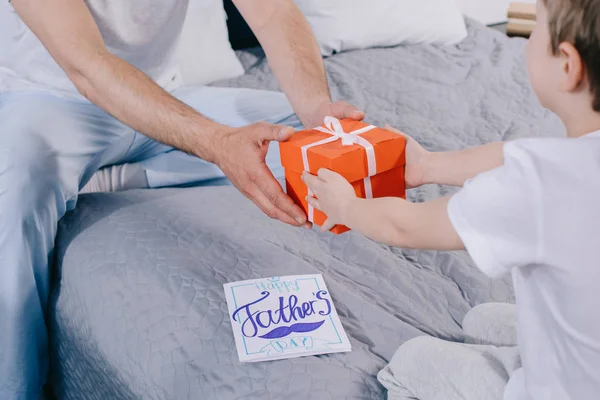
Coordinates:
x,y
69,32
295,58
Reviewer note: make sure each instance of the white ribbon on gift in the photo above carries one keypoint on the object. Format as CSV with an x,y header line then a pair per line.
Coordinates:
x,y
334,128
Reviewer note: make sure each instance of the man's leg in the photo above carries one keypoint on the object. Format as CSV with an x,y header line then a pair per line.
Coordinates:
x,y
47,147
427,368
162,165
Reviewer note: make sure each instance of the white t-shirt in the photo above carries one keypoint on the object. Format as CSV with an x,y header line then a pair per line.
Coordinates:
x,y
144,33
539,216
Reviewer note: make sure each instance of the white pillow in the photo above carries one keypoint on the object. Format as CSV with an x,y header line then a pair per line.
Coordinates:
x,y
341,25
205,54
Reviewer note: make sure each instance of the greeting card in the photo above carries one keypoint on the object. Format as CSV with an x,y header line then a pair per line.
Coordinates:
x,y
284,317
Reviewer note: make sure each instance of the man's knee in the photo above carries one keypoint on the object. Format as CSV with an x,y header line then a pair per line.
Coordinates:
x,y
28,164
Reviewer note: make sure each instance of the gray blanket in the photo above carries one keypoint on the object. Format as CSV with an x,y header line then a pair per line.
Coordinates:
x,y
138,308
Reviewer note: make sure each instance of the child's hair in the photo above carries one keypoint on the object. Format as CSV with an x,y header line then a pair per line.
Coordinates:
x,y
578,22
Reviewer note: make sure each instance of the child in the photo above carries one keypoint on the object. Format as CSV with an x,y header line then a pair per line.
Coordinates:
x,y
531,207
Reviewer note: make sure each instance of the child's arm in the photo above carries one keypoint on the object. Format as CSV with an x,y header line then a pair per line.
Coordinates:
x,y
448,168
455,167
389,220
399,223
395,221
496,216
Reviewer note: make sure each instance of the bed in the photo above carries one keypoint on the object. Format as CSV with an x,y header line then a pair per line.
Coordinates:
x,y
138,309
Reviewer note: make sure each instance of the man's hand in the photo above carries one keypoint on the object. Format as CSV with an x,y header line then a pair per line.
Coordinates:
x,y
240,153
332,194
339,110
417,157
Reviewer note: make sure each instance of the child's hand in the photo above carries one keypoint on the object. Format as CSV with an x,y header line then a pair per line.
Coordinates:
x,y
416,157
333,195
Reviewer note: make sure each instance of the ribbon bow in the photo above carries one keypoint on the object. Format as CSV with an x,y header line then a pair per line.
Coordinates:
x,y
334,127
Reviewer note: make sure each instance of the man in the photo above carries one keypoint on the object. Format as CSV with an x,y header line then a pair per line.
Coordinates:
x,y
85,84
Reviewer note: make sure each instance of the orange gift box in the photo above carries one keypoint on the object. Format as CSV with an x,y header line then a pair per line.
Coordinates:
x,y
370,158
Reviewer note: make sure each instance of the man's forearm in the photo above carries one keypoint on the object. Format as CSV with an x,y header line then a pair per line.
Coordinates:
x,y
397,222
130,96
69,32
294,56
455,167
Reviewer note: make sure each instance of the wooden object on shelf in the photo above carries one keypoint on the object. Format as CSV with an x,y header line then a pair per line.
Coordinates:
x,y
520,27
521,19
521,11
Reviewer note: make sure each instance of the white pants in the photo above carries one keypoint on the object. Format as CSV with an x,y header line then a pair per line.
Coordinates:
x,y
427,368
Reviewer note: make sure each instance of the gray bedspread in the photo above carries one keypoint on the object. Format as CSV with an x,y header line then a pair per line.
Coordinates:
x,y
138,308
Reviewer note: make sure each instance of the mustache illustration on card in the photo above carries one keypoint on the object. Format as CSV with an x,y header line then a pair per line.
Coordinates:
x,y
254,319
284,331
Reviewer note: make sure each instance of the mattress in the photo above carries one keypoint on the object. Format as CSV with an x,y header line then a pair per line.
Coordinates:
x,y
138,309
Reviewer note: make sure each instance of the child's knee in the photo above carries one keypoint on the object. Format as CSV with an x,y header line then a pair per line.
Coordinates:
x,y
423,356
414,354
491,323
